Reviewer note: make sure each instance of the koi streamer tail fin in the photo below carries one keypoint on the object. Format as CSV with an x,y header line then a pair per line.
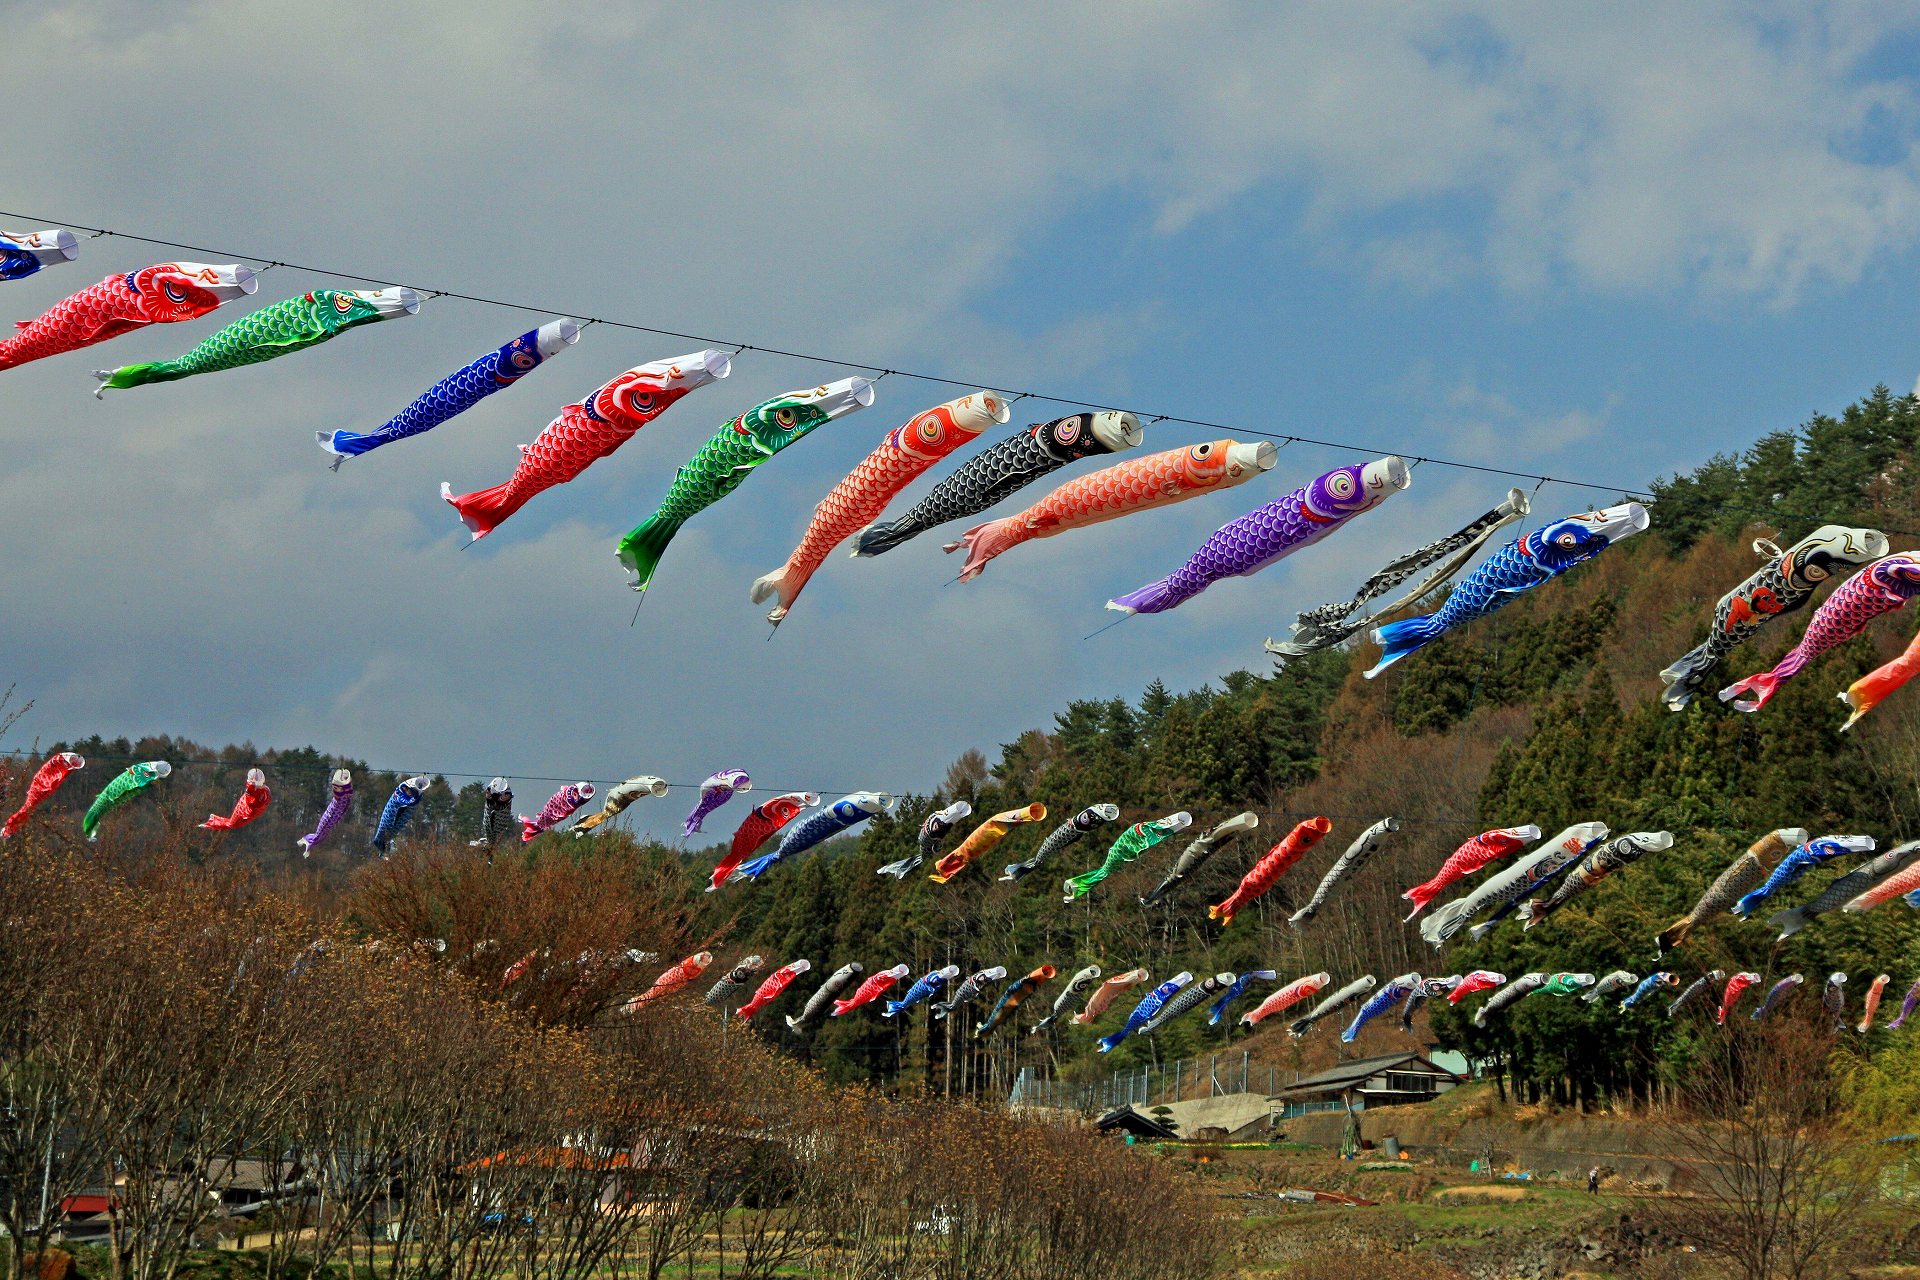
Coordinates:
x,y
1152,598
1763,686
983,543
642,548
1684,676
780,586
883,535
1674,934
135,375
1398,639
1789,922
483,509
347,444
754,868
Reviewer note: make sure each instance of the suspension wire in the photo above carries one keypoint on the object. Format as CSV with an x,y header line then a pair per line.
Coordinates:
x,y
21,753
1759,511
883,371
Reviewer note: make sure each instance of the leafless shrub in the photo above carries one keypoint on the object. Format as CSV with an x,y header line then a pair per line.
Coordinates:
x,y
410,1117
1780,1180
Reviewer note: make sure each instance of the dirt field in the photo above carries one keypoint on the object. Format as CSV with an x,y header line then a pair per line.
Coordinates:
x,y
1435,1220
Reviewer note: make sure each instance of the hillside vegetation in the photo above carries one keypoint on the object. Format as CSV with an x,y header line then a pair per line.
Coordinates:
x,y
1546,713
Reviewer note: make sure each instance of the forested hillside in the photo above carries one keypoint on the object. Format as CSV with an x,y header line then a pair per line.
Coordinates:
x,y
1546,713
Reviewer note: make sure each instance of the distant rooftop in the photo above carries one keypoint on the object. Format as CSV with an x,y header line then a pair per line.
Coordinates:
x,y
1350,1075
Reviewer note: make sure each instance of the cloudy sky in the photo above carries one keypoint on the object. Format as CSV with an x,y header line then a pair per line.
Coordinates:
x,y
1598,242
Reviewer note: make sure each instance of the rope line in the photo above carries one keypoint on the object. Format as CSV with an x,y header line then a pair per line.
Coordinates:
x,y
883,371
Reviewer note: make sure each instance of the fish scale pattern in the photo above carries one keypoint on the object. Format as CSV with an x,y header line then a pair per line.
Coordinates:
x,y
1470,857
734,980
1776,993
1355,990
758,827
1285,998
1695,990
1185,1001
1133,842
1379,1002
1782,585
454,394
1011,998
925,987
558,808
1349,862
1275,863
1897,885
982,839
1605,858
584,432
129,782
716,790
1504,890
1156,480
870,990
1801,860
1271,531
277,329
1477,981
338,802
1519,989
1521,565
1646,987
1198,851
846,812
970,990
1883,586
1143,1012
906,453
497,821
395,814
1106,992
1907,1006
1076,986
620,797
993,474
932,832
836,982
724,462
776,984
1618,980
1064,836
165,293
46,780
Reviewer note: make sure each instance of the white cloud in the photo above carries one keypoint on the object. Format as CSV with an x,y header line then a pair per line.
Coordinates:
x,y
849,178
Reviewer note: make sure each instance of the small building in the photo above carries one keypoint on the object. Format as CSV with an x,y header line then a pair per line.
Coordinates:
x,y
1389,1080
1130,1120
246,1185
87,1216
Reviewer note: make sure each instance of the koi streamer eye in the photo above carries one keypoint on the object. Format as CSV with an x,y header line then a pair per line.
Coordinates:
x,y
785,417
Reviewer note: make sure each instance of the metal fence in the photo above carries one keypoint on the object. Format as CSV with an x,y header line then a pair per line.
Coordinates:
x,y
1185,1079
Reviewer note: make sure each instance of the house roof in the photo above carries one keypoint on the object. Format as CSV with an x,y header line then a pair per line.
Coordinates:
x,y
247,1174
1134,1121
551,1158
1351,1074
86,1204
